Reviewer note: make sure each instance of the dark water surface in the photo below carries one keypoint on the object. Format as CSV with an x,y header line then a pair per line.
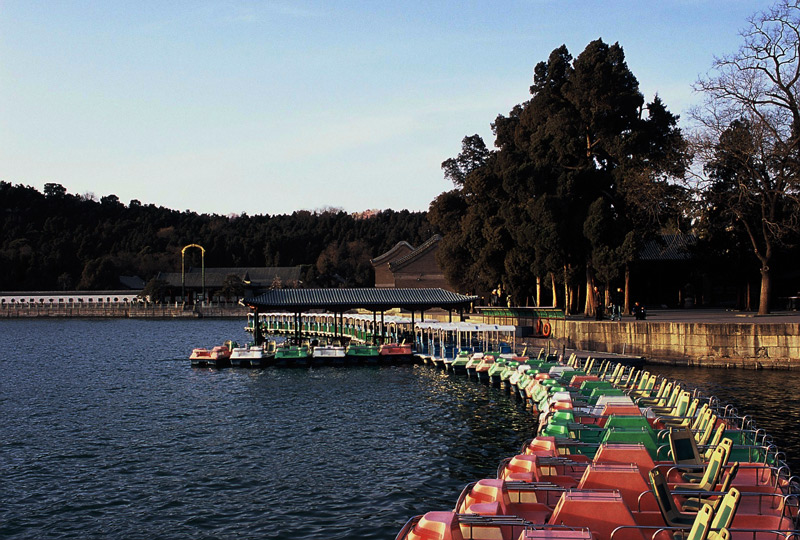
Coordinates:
x,y
771,398
107,432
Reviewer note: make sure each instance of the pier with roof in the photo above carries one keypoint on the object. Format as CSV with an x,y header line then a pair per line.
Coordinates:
x,y
337,302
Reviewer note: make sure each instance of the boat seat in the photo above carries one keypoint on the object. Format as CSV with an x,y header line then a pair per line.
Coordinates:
x,y
723,516
692,504
711,473
645,386
436,526
725,443
722,534
717,440
700,525
683,447
726,510
703,435
678,409
673,516
682,421
661,399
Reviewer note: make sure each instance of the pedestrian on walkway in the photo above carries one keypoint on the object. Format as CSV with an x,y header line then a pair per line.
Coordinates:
x,y
617,300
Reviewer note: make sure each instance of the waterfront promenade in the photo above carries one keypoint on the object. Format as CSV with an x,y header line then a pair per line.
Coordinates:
x,y
699,337
713,315
694,336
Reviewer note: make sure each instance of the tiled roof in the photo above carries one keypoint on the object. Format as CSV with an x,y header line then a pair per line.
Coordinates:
x,y
132,282
254,273
346,299
388,256
668,247
191,279
429,244
215,277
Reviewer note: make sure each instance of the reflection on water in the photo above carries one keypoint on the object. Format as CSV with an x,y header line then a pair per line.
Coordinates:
x,y
771,398
109,433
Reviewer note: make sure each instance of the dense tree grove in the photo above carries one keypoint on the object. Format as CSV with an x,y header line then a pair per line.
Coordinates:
x,y
58,241
586,173
579,179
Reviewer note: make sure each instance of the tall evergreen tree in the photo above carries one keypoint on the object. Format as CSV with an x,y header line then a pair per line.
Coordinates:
x,y
559,193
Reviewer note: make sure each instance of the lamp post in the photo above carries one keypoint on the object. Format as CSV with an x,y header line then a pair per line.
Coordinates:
x,y
202,269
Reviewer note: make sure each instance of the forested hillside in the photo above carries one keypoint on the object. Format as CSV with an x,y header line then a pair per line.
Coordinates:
x,y
59,241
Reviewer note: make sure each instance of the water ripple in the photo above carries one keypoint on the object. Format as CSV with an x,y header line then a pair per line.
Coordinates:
x,y
109,433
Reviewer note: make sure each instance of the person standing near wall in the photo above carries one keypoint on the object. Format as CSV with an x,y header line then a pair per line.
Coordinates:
x,y
617,301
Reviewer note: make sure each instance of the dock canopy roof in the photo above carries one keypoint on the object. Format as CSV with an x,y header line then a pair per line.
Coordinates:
x,y
341,300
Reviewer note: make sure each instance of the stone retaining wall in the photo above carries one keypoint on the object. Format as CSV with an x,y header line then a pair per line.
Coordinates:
x,y
746,345
122,310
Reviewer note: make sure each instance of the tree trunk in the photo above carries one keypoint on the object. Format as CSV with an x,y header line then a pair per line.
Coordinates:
x,y
553,288
591,301
766,285
747,305
573,299
627,288
566,292
538,291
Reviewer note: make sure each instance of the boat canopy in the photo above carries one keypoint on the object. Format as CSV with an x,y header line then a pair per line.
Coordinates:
x,y
464,327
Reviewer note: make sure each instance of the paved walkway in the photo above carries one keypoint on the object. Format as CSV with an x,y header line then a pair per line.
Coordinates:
x,y
699,315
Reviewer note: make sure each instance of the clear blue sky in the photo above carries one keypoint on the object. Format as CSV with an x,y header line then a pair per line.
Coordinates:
x,y
270,107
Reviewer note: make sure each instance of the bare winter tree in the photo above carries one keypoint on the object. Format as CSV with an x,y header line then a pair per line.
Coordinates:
x,y
748,138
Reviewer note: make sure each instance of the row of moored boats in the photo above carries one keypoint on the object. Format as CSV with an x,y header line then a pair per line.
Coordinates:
x,y
304,355
620,454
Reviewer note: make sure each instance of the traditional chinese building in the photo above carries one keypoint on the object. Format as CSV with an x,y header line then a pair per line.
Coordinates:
x,y
407,267
210,281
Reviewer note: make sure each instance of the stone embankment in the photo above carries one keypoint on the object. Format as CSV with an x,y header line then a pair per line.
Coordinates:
x,y
133,310
708,339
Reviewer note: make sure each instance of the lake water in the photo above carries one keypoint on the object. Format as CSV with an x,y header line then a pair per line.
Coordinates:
x,y
770,397
107,432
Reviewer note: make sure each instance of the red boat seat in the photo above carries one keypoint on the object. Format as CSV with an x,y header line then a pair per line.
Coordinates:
x,y
436,526
489,497
521,468
542,446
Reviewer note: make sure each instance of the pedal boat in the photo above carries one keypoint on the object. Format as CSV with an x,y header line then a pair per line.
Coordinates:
x,y
395,352
329,354
252,356
292,356
359,352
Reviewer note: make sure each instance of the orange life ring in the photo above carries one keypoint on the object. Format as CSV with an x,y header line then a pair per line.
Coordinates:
x,y
546,329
